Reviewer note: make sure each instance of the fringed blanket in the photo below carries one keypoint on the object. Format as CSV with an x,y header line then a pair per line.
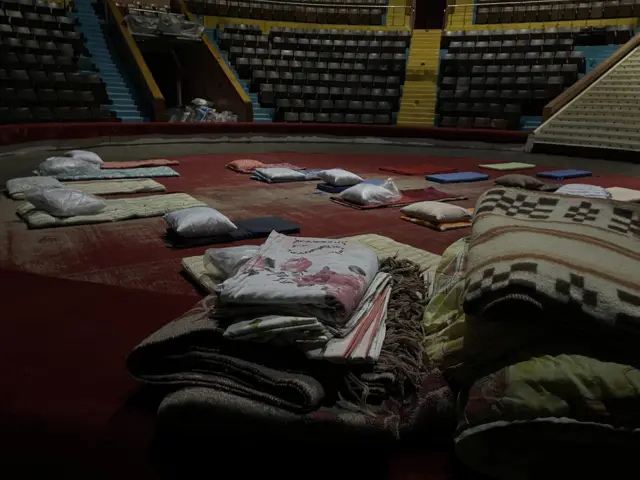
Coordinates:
x,y
569,256
399,395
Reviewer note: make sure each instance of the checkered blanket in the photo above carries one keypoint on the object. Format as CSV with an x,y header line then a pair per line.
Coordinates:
x,y
571,257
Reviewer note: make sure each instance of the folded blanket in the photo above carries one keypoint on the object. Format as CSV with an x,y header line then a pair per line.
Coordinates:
x,y
360,343
571,415
568,257
192,351
312,277
441,227
400,395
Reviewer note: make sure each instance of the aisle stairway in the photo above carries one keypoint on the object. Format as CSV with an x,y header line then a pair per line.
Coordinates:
x,y
260,114
418,104
605,115
118,87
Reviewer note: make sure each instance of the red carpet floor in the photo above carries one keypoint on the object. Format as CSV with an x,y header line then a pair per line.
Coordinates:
x,y
68,403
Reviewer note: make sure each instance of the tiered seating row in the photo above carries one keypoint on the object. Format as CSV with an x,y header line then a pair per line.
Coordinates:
x,y
39,79
611,35
369,12
551,12
491,79
337,76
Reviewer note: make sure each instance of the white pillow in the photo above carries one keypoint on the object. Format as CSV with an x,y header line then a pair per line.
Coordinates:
x,y
65,202
17,186
84,155
369,194
339,177
227,261
199,222
436,212
66,166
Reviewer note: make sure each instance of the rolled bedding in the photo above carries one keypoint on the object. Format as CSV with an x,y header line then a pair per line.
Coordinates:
x,y
534,323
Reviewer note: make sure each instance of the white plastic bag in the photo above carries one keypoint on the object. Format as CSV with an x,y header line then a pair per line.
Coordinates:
x,y
367,194
65,202
17,186
66,166
339,177
84,155
199,222
225,262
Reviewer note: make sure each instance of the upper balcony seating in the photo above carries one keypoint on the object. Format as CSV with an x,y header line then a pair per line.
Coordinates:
x,y
39,78
321,75
552,12
355,12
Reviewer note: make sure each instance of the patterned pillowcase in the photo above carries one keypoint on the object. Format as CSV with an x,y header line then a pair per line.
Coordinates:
x,y
581,190
244,165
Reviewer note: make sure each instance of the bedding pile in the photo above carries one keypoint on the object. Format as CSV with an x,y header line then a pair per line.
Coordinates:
x,y
310,336
534,320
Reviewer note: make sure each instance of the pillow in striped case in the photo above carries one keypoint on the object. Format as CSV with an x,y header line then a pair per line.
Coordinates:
x,y
582,190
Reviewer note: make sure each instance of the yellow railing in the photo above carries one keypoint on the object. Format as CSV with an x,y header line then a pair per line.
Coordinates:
x,y
535,14
142,77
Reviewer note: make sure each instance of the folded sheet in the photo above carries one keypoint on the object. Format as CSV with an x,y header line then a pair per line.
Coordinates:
x,y
117,210
314,277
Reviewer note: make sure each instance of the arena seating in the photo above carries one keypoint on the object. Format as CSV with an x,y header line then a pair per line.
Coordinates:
x,y
39,78
551,12
489,79
321,75
365,12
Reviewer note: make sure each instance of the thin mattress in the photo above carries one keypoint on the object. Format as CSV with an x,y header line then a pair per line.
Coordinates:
x,y
384,247
111,187
117,210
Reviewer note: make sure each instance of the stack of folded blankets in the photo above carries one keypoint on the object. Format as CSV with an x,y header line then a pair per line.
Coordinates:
x,y
325,296
307,335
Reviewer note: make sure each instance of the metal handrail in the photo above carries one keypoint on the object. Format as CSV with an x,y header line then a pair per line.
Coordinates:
x,y
502,4
333,5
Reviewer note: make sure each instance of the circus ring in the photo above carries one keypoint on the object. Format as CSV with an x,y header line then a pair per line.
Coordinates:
x,y
77,299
